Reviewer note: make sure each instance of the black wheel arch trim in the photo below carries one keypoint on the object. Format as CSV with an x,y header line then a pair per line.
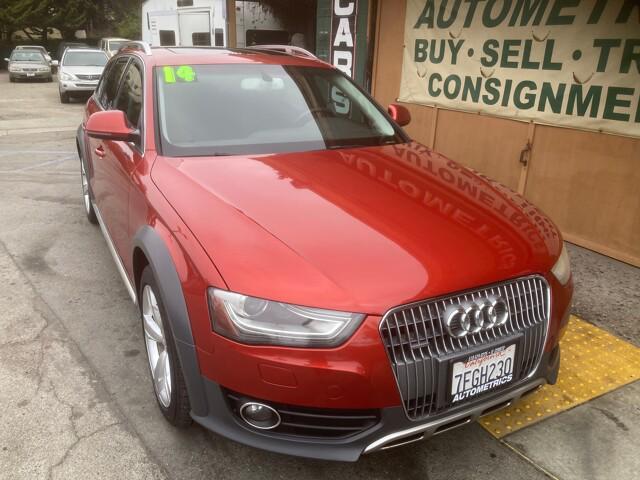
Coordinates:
x,y
82,152
166,276
80,142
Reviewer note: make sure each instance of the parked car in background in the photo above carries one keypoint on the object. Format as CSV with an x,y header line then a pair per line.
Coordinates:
x,y
310,280
80,71
28,65
38,48
64,45
112,45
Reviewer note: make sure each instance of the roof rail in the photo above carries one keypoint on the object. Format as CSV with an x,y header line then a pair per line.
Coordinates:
x,y
136,45
288,49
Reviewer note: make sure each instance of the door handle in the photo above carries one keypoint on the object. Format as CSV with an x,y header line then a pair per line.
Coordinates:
x,y
99,151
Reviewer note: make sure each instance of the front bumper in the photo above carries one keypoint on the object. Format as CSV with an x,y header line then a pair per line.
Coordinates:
x,y
30,75
393,429
77,87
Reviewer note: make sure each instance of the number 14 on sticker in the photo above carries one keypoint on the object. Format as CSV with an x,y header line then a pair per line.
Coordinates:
x,y
183,73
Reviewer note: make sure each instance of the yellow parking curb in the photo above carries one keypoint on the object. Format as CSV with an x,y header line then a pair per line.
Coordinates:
x,y
593,362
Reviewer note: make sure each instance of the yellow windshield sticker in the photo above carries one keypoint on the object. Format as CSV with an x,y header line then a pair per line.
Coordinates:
x,y
183,73
186,73
169,75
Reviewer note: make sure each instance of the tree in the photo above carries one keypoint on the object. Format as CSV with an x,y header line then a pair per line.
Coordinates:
x,y
38,17
69,15
21,14
115,17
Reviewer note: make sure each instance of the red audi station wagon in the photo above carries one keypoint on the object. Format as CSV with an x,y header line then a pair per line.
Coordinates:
x,y
310,280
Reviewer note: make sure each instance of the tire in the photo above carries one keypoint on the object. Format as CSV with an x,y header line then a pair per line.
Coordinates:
x,y
174,401
12,79
87,197
64,97
49,79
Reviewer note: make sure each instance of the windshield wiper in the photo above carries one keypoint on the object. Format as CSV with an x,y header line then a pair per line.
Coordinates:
x,y
387,139
354,145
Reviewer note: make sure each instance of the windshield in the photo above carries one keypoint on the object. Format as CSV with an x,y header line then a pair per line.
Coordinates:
x,y
27,56
253,109
85,59
115,46
34,48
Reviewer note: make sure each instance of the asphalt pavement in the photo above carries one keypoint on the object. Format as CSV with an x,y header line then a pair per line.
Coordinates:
x,y
75,395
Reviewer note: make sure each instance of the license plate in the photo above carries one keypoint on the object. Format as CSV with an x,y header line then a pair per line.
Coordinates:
x,y
31,74
482,372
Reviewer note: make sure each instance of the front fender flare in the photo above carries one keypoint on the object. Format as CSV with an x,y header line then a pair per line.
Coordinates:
x,y
153,246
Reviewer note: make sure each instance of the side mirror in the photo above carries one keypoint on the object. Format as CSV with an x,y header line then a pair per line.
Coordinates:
x,y
399,114
54,63
7,60
111,125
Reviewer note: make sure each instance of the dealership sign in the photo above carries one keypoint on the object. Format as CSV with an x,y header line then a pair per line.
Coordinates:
x,y
574,63
343,35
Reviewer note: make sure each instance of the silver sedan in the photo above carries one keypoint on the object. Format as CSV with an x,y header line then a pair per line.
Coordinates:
x,y
28,65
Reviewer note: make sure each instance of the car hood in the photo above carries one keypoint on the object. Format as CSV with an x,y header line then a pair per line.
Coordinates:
x,y
359,230
28,65
83,70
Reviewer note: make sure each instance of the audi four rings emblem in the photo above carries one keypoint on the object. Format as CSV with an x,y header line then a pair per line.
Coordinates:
x,y
470,317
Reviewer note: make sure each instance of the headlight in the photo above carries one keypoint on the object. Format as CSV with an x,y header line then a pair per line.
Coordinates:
x,y
562,268
67,76
263,322
15,69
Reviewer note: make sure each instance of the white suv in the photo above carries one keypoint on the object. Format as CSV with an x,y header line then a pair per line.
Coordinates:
x,y
80,70
112,45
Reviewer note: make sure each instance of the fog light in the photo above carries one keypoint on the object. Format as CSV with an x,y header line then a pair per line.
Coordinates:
x,y
259,415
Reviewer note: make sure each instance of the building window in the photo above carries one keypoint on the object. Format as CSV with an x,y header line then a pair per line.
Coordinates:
x,y
201,39
219,37
167,38
185,3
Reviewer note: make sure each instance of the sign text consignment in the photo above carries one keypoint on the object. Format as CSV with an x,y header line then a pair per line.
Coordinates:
x,y
566,62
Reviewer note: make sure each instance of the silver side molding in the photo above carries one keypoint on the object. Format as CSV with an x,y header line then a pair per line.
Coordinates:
x,y
116,257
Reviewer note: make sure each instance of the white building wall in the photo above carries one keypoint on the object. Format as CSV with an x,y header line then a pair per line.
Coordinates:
x,y
250,15
168,9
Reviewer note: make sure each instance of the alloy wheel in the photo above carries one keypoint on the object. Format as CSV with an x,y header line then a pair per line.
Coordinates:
x,y
156,342
85,188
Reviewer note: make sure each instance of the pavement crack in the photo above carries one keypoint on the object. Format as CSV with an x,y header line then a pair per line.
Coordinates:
x,y
39,368
530,461
53,318
74,445
71,407
611,416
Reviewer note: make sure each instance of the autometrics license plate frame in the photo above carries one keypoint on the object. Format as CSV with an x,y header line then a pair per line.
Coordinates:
x,y
445,369
482,372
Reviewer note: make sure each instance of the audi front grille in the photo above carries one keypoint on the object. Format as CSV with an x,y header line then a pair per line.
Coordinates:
x,y
418,344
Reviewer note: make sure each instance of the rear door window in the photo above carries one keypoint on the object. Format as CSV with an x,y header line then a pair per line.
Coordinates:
x,y
110,89
129,98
